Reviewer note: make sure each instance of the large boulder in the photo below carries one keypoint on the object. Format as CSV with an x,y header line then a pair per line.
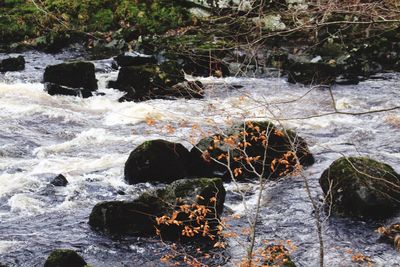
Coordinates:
x,y
64,258
144,215
12,64
147,81
73,78
361,187
156,161
272,152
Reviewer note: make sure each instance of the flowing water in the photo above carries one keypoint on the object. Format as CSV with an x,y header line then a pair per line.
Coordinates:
x,y
89,140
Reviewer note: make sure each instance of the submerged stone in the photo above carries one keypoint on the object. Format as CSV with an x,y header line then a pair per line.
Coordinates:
x,y
64,258
55,89
60,180
361,187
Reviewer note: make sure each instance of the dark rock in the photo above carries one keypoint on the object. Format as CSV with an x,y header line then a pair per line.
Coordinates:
x,y
64,258
101,49
147,81
156,161
138,217
55,41
361,187
120,192
55,89
12,64
126,60
202,66
74,75
308,72
262,138
60,180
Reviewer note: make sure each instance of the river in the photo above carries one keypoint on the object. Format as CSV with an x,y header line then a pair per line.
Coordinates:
x,y
89,140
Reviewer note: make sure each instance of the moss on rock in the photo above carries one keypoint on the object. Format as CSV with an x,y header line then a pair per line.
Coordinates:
x,y
261,138
64,258
361,187
138,217
156,161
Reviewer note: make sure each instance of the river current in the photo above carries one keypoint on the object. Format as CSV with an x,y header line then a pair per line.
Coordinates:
x,y
89,140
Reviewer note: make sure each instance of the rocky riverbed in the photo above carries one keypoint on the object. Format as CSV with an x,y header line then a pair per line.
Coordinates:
x,y
88,140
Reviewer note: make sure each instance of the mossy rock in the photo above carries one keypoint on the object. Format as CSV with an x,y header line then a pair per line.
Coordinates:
x,y
361,187
264,140
64,258
197,54
138,217
147,81
156,161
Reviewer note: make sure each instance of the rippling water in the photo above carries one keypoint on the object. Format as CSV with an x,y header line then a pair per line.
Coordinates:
x,y
88,140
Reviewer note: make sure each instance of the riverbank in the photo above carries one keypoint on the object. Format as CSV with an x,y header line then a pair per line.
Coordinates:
x,y
308,42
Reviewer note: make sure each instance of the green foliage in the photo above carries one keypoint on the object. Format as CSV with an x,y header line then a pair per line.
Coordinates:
x,y
21,19
154,17
17,20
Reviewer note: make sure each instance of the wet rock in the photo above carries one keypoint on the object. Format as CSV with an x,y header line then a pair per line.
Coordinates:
x,y
273,152
12,64
101,49
130,59
74,78
200,65
301,70
138,217
156,161
121,192
64,258
55,89
391,233
361,187
60,180
77,74
55,41
147,81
